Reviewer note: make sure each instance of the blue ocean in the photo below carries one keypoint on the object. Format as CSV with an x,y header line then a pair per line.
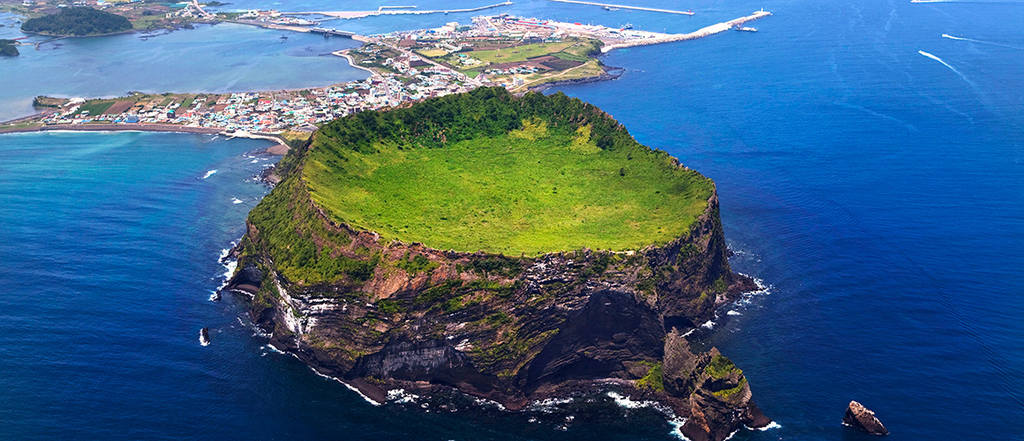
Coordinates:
x,y
869,158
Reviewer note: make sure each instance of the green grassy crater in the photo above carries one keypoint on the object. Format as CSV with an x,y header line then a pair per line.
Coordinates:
x,y
486,171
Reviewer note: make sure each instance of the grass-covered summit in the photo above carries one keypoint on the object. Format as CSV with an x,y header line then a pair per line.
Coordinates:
x,y
487,171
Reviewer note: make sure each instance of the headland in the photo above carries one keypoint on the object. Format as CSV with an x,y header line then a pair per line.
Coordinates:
x,y
347,270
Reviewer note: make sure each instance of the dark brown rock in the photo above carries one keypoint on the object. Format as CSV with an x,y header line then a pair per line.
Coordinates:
x,y
860,417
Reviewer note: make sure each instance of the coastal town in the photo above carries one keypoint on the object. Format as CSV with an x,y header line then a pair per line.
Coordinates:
x,y
517,53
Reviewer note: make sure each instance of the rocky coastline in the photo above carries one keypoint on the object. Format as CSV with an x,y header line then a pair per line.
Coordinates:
x,y
386,316
590,320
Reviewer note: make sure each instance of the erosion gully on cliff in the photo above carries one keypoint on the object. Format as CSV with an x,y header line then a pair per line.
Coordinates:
x,y
384,313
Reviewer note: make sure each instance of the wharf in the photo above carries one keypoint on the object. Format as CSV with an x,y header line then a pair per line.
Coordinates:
x,y
700,33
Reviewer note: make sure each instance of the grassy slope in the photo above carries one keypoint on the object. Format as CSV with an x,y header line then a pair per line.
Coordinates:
x,y
519,53
512,194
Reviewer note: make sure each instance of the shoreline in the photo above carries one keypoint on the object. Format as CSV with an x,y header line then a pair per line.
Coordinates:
x,y
115,128
280,147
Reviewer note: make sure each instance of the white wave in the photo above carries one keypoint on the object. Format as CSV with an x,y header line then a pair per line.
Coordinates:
x,y
350,387
229,270
209,173
734,432
677,428
254,161
236,201
485,402
733,312
950,67
629,403
990,43
708,324
771,425
548,405
203,341
400,396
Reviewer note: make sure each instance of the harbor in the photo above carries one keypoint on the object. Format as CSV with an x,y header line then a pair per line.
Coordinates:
x,y
700,33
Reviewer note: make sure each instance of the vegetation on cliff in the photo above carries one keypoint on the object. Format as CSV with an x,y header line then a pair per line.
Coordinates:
x,y
77,22
337,277
486,172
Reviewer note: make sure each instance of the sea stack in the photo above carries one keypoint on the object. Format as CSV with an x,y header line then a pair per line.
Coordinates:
x,y
204,337
862,418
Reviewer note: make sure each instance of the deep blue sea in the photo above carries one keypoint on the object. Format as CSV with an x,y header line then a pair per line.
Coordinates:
x,y
877,191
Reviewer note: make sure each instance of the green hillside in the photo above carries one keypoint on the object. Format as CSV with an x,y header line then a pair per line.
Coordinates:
x,y
485,171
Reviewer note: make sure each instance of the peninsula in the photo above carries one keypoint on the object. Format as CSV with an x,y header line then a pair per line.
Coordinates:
x,y
535,252
517,53
77,21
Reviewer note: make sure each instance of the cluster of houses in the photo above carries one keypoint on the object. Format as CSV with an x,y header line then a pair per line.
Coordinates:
x,y
269,112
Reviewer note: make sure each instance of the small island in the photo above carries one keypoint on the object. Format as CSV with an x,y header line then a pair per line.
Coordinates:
x,y
512,248
8,48
78,21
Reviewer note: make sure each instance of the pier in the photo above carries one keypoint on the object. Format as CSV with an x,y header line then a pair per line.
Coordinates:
x,y
394,10
635,8
329,31
700,33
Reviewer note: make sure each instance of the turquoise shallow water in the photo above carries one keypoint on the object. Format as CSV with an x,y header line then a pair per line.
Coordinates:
x,y
876,190
220,58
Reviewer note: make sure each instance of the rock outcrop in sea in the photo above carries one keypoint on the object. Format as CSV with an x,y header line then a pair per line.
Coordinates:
x,y
860,417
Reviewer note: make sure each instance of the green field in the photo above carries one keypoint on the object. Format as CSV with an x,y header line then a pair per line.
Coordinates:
x,y
96,107
576,50
519,53
542,187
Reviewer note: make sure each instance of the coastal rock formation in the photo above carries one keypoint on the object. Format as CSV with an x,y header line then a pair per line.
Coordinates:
x,y
204,337
860,417
384,314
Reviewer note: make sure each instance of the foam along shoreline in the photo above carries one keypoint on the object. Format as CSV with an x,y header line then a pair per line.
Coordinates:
x,y
659,38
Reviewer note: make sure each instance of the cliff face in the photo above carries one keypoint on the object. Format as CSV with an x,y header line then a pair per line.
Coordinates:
x,y
512,330
385,314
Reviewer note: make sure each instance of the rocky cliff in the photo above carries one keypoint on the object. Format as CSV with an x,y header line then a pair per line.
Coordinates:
x,y
510,329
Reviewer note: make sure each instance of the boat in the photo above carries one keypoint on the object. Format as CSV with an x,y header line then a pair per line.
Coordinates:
x,y
627,26
744,29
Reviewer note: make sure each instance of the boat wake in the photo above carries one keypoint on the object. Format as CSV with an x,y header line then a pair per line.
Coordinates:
x,y
990,43
950,67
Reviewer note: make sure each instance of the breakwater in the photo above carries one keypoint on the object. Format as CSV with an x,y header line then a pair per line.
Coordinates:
x,y
700,33
635,8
